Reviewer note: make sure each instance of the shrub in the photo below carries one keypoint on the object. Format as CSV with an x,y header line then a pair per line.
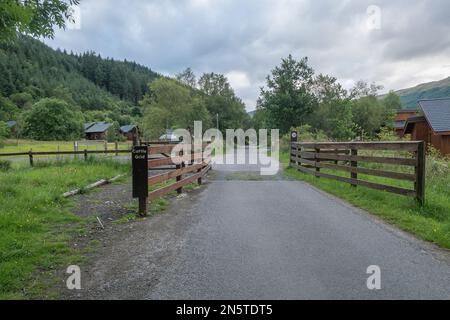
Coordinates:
x,y
52,119
5,165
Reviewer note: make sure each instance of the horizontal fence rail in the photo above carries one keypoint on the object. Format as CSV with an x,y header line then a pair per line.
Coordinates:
x,y
181,170
310,158
32,154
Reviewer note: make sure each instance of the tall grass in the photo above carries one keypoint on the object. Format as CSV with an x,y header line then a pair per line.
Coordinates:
x,y
35,224
430,222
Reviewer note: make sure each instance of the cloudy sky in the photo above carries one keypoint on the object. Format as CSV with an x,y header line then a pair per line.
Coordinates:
x,y
396,43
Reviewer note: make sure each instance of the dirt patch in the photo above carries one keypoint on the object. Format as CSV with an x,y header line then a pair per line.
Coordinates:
x,y
122,237
109,203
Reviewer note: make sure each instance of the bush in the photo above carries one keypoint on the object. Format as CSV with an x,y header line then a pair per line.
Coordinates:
x,y
5,165
52,119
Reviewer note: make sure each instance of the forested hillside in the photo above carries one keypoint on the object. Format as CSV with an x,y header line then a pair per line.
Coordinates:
x,y
40,85
430,90
101,88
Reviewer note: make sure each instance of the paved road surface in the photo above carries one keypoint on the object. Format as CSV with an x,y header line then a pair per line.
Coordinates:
x,y
266,239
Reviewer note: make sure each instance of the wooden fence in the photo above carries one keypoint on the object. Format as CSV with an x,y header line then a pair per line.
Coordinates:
x,y
31,154
184,169
312,157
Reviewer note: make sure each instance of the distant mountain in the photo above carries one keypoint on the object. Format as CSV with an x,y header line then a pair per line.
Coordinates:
x,y
252,113
430,90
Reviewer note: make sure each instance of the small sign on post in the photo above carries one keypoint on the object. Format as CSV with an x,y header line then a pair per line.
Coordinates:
x,y
140,177
294,138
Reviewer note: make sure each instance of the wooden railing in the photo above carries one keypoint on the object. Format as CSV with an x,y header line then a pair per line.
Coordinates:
x,y
32,154
183,168
346,157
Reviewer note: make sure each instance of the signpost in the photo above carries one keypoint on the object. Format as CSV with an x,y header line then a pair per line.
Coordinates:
x,y
140,177
294,138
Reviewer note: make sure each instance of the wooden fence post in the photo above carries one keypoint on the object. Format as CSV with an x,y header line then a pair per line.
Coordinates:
x,y
85,155
200,180
140,177
354,164
420,173
317,160
117,148
179,178
294,139
30,154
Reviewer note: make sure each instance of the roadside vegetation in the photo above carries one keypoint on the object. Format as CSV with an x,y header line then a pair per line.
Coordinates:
x,y
36,224
23,145
430,222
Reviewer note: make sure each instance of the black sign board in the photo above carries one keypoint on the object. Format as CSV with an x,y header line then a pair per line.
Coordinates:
x,y
294,136
140,172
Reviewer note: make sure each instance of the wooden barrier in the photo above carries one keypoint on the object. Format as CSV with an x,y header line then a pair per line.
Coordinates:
x,y
184,168
31,154
312,157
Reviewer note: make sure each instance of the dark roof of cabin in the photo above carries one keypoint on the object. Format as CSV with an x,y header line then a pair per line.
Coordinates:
x,y
437,113
409,126
127,128
99,127
88,125
11,124
399,124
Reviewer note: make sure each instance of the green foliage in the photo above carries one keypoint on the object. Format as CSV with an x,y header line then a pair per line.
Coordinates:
x,y
430,222
392,101
35,225
172,105
4,132
5,166
37,18
53,119
430,90
32,71
333,116
113,134
187,77
8,110
221,100
288,98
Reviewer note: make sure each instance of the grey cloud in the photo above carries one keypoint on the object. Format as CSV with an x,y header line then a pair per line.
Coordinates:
x,y
252,36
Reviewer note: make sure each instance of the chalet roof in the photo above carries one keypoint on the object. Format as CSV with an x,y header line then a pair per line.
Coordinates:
x,y
98,127
409,125
399,124
88,125
11,124
127,128
437,113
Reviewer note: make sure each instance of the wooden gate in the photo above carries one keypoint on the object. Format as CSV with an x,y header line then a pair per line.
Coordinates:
x,y
348,157
178,170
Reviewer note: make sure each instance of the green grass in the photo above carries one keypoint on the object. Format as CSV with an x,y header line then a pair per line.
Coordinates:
x,y
18,146
430,222
35,224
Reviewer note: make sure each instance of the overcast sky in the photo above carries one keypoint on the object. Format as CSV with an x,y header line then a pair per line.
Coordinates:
x,y
396,44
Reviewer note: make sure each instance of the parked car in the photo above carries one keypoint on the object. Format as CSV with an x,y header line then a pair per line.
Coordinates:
x,y
169,137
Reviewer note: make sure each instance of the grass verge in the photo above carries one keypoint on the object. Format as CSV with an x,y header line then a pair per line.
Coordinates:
x,y
35,224
430,222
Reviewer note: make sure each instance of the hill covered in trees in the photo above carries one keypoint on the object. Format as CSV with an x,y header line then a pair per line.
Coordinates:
x,y
64,90
430,90
103,89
